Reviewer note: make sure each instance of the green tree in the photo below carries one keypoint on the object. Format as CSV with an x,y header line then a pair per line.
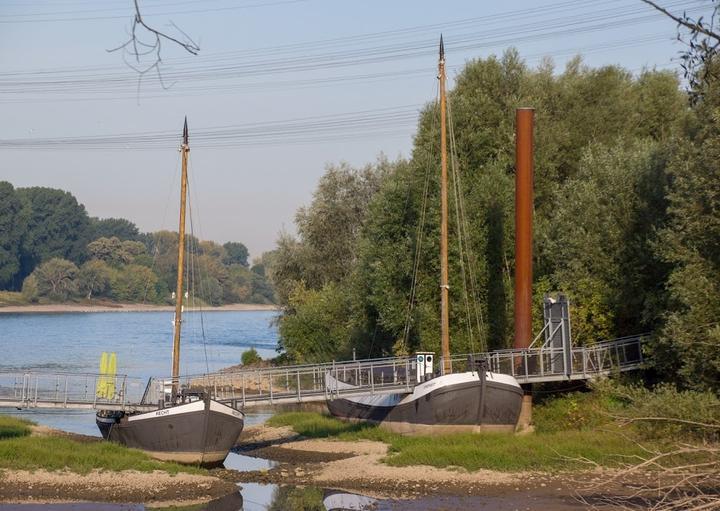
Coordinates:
x,y
30,288
115,252
588,122
235,253
600,238
57,227
316,330
114,228
56,278
689,346
94,278
12,226
134,283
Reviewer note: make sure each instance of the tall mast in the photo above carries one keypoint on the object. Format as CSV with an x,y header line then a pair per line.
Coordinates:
x,y
184,150
444,284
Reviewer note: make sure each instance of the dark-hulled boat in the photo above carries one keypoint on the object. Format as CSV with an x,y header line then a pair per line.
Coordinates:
x,y
471,401
187,427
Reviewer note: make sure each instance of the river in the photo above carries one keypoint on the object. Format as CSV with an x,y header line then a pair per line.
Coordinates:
x,y
74,342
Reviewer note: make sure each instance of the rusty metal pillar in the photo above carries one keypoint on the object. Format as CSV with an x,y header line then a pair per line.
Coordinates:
x,y
523,226
524,118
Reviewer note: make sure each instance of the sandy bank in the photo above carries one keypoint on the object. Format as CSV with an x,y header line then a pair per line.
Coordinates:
x,y
124,307
359,466
154,488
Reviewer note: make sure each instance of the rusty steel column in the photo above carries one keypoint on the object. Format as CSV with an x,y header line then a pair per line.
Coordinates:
x,y
523,226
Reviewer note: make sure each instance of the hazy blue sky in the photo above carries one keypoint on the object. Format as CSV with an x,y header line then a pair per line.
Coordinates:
x,y
258,61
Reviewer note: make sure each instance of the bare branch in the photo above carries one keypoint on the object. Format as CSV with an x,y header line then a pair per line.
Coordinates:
x,y
145,40
686,22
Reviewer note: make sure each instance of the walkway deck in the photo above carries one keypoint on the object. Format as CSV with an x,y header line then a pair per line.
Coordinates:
x,y
306,383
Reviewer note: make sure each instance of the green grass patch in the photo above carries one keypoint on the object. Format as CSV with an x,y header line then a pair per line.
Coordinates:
x,y
12,298
59,453
12,427
315,425
548,451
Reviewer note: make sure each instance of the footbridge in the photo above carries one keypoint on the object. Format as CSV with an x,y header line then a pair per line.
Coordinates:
x,y
265,386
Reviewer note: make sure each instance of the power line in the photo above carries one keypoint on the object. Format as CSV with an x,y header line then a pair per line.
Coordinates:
x,y
227,67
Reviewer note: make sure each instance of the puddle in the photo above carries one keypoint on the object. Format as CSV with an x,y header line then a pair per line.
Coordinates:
x,y
242,463
262,497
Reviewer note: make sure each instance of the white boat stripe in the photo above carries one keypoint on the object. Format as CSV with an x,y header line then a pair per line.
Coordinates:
x,y
195,406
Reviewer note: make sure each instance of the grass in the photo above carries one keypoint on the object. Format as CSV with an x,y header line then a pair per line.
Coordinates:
x,y
12,298
20,451
11,427
566,432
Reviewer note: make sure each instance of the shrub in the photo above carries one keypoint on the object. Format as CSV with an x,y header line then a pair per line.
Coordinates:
x,y
250,357
666,412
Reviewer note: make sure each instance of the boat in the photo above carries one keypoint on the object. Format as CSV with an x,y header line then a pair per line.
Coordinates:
x,y
475,400
188,426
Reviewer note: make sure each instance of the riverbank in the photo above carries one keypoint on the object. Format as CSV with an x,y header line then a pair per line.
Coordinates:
x,y
41,464
58,308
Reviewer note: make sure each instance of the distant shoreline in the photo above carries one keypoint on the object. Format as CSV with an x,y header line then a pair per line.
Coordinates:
x,y
125,307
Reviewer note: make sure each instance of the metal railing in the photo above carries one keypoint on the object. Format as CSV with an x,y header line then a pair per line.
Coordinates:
x,y
29,389
296,384
312,382
556,364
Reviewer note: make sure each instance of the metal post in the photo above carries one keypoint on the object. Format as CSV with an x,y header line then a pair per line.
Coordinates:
x,y
298,385
66,392
372,380
407,374
523,226
242,382
36,390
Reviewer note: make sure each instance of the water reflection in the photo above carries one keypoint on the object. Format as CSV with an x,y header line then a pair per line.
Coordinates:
x,y
271,497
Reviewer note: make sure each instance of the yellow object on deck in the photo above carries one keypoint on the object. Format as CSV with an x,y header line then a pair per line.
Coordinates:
x,y
106,381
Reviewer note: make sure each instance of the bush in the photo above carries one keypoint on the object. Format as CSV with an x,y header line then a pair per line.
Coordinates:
x,y
250,357
30,288
666,412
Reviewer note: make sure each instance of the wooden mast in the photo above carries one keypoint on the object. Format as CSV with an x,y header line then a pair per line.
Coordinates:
x,y
444,284
184,150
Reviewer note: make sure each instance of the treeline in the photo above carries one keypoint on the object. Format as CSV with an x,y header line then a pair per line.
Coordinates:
x,y
51,249
627,222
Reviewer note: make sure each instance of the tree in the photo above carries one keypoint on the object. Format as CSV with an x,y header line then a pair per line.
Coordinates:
x,y
56,278
94,278
688,345
12,226
57,227
600,239
114,228
603,140
316,330
235,253
134,283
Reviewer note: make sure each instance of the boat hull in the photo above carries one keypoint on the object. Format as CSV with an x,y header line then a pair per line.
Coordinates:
x,y
200,432
463,402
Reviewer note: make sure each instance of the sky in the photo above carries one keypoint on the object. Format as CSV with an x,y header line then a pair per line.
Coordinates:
x,y
279,90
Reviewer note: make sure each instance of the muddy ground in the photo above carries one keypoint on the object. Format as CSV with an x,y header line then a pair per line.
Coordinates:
x,y
357,466
352,466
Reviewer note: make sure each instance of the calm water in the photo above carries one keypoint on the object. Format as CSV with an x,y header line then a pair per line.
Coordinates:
x,y
142,340
143,343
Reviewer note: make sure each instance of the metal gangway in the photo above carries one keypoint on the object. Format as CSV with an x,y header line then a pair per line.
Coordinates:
x,y
273,385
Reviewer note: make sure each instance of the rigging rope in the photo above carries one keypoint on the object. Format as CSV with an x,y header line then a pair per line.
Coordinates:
x,y
194,239
420,232
463,234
